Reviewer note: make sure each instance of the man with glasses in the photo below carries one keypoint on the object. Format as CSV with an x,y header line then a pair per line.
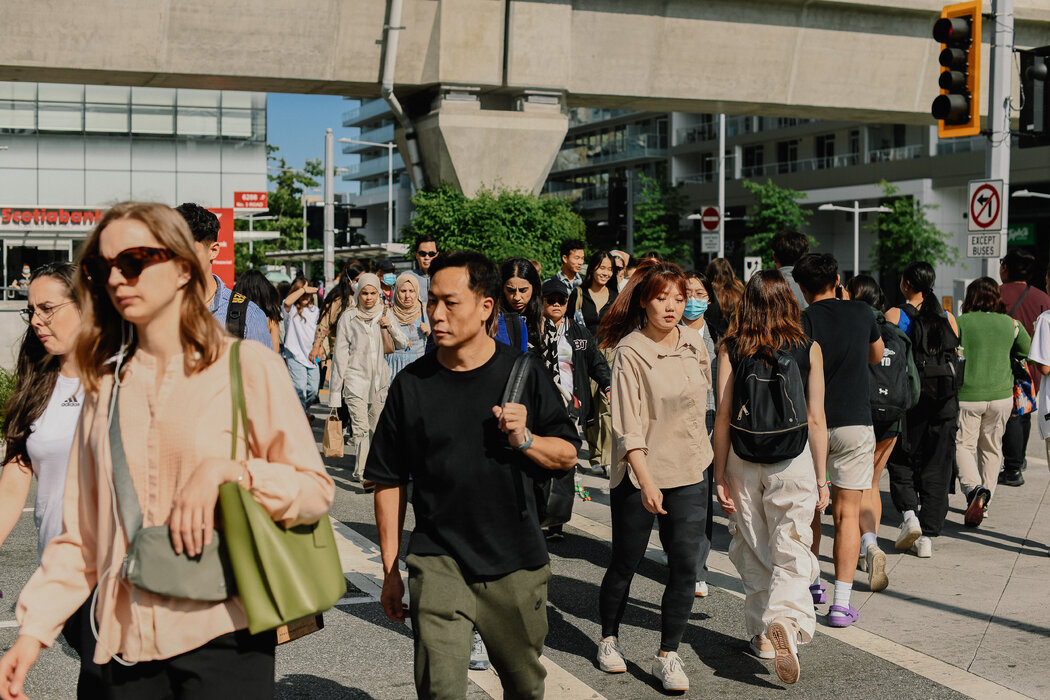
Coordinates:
x,y
242,318
426,251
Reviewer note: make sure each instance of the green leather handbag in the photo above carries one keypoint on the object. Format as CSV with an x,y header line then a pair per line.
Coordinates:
x,y
282,574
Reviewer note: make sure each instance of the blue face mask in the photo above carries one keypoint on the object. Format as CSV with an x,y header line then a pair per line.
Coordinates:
x,y
695,308
389,279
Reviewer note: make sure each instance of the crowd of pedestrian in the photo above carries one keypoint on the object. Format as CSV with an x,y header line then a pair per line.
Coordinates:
x,y
479,385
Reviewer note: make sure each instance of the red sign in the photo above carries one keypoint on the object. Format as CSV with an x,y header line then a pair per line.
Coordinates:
x,y
710,218
984,207
223,264
250,200
21,219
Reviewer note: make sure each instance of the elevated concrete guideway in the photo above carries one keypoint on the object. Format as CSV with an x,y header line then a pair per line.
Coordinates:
x,y
867,60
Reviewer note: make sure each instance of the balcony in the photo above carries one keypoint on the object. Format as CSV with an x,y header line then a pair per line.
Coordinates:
x,y
372,168
636,146
368,112
384,134
583,116
962,145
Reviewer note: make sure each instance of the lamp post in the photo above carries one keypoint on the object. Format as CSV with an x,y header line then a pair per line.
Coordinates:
x,y
389,181
1029,193
856,210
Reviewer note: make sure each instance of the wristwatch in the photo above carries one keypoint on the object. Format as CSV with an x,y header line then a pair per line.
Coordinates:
x,y
528,441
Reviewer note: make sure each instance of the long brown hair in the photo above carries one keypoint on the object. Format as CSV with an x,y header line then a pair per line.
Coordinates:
x,y
627,313
37,372
100,334
729,291
769,315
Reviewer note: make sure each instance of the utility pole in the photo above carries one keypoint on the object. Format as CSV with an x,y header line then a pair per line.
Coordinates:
x,y
997,163
630,211
722,185
329,207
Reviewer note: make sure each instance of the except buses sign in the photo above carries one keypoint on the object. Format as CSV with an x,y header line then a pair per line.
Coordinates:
x,y
25,219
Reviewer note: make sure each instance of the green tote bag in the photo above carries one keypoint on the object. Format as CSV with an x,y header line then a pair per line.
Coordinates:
x,y
282,574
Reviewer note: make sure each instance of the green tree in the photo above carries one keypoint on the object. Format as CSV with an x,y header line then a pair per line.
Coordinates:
x,y
776,208
657,214
285,202
905,235
498,223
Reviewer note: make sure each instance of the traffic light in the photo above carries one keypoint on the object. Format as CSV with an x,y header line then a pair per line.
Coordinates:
x,y
1035,105
957,109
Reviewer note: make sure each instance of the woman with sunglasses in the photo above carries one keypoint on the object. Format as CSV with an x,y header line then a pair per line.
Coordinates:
x,y
41,417
141,293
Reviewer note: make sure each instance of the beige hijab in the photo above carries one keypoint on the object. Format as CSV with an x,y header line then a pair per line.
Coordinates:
x,y
368,315
407,315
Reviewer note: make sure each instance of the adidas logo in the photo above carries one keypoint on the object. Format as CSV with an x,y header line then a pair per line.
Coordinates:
x,y
71,402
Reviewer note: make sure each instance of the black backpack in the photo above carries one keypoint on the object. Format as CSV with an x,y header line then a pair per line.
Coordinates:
x,y
769,422
933,345
894,381
237,315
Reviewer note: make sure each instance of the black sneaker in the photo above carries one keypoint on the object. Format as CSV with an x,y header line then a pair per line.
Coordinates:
x,y
976,501
1011,478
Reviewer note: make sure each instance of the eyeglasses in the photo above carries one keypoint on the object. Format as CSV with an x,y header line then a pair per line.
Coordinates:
x,y
130,262
427,253
555,300
46,312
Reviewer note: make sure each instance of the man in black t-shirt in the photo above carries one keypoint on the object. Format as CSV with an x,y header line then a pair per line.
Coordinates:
x,y
849,340
477,557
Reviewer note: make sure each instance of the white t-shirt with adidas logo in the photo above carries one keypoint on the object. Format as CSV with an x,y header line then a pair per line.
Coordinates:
x,y
48,447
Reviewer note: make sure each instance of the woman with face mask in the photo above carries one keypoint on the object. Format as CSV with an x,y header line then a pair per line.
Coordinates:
x,y
360,373
408,311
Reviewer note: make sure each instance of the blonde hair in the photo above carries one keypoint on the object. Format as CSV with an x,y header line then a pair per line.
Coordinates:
x,y
101,329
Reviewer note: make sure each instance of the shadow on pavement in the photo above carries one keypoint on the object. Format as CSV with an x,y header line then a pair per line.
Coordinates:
x,y
301,685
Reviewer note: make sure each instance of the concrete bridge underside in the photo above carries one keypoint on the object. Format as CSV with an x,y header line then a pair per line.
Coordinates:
x,y
503,69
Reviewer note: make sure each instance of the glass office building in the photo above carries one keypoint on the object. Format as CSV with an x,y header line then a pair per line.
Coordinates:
x,y
77,149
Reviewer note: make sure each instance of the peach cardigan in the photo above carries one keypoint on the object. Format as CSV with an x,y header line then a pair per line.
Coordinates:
x,y
168,427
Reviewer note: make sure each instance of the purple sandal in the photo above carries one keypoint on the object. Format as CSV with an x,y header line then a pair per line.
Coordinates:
x,y
845,618
819,593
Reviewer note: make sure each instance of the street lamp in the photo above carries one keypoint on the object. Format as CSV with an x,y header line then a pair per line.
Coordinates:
x,y
857,210
389,181
1029,193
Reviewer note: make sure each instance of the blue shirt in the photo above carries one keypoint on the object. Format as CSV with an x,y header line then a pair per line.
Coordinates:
x,y
569,284
255,327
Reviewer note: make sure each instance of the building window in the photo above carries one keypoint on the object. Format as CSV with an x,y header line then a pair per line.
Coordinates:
x,y
854,147
826,151
787,156
753,157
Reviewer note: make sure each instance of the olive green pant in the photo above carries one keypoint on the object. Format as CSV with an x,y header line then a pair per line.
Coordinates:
x,y
510,613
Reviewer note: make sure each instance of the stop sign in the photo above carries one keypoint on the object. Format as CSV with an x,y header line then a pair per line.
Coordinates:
x,y
710,218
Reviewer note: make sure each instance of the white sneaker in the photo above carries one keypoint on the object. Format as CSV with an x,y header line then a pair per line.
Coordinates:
x,y
610,655
875,565
910,531
701,589
783,635
479,656
923,547
670,672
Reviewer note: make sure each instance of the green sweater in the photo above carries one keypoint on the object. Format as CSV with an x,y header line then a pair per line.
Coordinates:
x,y
988,341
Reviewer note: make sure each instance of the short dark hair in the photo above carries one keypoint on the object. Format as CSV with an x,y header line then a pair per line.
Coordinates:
x,y
788,246
1019,265
816,272
571,244
203,224
983,295
425,238
482,274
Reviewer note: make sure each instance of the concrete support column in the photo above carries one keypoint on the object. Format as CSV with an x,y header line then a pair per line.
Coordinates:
x,y
470,147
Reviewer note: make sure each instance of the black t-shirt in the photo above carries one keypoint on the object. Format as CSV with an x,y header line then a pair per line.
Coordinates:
x,y
845,331
437,428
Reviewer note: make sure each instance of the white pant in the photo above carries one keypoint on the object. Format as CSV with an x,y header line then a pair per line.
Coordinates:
x,y
771,539
979,446
364,415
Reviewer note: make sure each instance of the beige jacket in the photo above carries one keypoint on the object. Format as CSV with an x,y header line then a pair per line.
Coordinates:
x,y
659,405
168,429
359,367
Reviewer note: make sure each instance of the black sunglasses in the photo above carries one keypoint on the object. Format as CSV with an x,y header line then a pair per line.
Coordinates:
x,y
130,262
427,253
555,300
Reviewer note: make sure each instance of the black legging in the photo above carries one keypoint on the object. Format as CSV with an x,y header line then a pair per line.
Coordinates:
x,y
680,533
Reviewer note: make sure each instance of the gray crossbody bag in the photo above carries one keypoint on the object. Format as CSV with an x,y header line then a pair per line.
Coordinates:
x,y
151,562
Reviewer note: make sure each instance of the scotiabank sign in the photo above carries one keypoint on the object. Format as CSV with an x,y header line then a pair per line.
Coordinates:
x,y
48,219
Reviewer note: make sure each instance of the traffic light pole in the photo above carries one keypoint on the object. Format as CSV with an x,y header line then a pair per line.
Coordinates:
x,y
997,163
721,185
329,207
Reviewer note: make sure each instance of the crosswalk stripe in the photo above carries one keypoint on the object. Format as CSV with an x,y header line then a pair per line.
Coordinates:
x,y
363,563
722,574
